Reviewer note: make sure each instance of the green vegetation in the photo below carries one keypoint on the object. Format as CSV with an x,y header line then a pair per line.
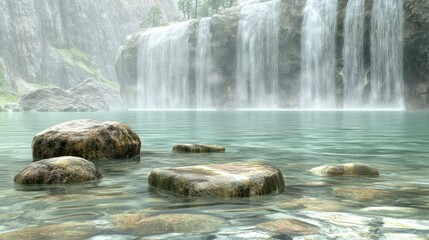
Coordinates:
x,y
153,19
202,8
76,58
8,97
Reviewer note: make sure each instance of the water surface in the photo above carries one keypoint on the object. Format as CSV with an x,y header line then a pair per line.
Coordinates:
x,y
397,203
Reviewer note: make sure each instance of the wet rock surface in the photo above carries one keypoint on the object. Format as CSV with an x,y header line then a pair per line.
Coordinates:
x,y
347,169
58,170
89,139
237,179
143,224
197,148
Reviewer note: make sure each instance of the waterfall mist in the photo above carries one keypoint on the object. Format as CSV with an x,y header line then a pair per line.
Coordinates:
x,y
354,73
387,84
163,68
257,56
203,84
318,89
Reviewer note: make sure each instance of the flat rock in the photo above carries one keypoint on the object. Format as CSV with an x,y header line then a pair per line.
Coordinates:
x,y
347,169
237,179
289,226
89,139
58,170
197,148
143,224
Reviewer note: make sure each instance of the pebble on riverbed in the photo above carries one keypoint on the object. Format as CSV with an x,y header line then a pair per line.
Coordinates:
x,y
197,148
237,179
58,170
347,169
89,139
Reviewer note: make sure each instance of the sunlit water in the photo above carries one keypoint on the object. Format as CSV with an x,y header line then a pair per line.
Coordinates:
x,y
395,142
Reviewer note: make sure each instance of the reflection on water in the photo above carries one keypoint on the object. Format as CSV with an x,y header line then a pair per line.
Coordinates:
x,y
394,205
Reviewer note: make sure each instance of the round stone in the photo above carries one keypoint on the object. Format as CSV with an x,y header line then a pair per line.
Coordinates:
x,y
58,170
89,139
197,148
237,179
347,169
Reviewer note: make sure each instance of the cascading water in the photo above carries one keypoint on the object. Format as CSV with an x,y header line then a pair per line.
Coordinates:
x,y
203,84
163,68
354,73
387,84
318,89
257,56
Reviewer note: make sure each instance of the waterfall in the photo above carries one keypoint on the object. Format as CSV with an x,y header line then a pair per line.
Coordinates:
x,y
257,56
387,84
318,88
163,68
203,84
354,74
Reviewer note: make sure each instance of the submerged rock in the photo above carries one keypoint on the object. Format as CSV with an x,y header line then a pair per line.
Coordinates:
x,y
289,226
89,139
197,148
347,169
237,179
53,100
362,194
58,170
144,224
70,231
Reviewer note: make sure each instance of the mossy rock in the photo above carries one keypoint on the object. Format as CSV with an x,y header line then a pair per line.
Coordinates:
x,y
58,170
197,148
89,139
347,169
237,179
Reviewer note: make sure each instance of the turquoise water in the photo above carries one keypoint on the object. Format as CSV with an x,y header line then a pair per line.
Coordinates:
x,y
395,207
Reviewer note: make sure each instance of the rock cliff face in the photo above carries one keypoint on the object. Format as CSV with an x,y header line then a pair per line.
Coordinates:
x,y
224,29
63,42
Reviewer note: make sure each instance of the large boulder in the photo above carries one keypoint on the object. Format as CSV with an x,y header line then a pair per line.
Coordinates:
x,y
237,179
98,95
197,148
143,224
58,170
53,100
347,169
89,139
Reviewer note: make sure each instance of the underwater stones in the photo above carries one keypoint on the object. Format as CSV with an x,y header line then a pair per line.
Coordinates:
x,y
289,226
347,169
89,139
58,170
236,179
166,223
362,194
72,231
197,148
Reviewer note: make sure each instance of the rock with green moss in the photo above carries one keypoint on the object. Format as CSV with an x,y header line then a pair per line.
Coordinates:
x,y
197,148
143,224
237,179
347,169
58,170
89,139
